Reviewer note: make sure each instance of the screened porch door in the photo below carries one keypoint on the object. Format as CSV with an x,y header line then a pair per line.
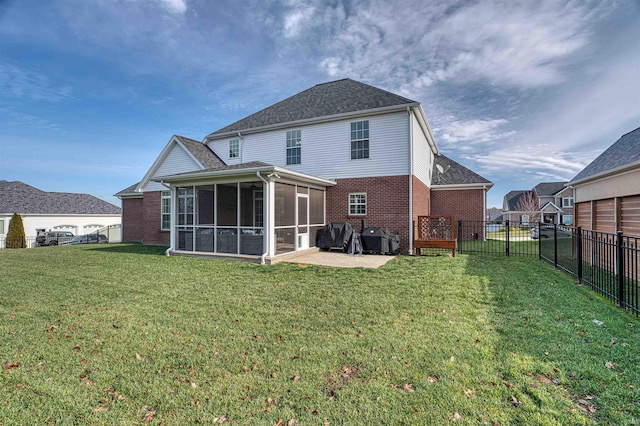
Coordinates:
x,y
303,221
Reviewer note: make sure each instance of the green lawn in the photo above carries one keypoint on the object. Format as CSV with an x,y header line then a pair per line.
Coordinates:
x,y
118,334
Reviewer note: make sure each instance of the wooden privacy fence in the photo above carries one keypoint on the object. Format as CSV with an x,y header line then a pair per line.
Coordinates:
x,y
435,232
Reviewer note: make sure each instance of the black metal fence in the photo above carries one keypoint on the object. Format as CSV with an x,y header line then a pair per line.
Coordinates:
x,y
606,263
503,238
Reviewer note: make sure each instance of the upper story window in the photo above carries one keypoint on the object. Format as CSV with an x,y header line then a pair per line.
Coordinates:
x,y
234,148
360,139
294,147
1,227
567,202
358,204
165,212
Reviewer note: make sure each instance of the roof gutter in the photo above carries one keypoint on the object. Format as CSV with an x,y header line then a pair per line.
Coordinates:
x,y
327,118
488,186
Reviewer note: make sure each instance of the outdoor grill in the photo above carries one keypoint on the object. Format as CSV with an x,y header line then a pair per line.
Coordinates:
x,y
335,235
380,241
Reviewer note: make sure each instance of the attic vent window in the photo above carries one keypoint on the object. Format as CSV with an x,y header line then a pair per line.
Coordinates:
x,y
360,140
234,148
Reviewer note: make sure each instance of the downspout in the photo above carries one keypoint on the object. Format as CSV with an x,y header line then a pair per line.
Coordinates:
x,y
265,198
410,180
242,148
484,213
166,253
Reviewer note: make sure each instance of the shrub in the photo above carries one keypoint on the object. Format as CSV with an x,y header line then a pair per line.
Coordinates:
x,y
15,235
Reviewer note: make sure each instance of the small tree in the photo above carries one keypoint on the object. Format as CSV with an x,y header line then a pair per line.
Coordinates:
x,y
15,235
528,205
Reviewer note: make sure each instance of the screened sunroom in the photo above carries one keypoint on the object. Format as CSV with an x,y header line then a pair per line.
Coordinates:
x,y
248,211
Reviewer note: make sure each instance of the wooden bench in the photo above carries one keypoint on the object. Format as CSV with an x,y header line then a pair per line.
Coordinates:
x,y
435,232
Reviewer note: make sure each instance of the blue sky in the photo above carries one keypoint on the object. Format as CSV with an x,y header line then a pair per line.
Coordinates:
x,y
519,91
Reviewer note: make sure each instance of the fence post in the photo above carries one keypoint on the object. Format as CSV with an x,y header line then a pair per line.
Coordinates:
x,y
555,245
539,239
508,238
620,269
458,236
579,254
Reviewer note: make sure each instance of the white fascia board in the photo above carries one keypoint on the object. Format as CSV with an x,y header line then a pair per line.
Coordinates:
x,y
550,203
424,125
212,174
130,195
161,158
603,175
486,186
315,120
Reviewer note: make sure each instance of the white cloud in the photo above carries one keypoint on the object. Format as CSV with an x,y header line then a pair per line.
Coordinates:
x,y
296,19
175,6
21,82
522,44
473,131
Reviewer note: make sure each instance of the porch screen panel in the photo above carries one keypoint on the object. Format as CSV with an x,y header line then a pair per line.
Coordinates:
x,y
285,205
227,204
205,205
316,207
285,218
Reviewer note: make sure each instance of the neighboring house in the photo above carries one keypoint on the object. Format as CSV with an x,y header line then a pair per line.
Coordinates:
x,y
555,200
262,186
607,191
46,211
553,204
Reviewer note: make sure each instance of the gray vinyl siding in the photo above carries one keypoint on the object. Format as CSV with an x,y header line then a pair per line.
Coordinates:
x,y
176,161
326,148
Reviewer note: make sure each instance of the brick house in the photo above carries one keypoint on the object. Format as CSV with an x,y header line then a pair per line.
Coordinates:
x,y
261,187
607,191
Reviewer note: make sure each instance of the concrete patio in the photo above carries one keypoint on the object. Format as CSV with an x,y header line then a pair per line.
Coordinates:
x,y
338,259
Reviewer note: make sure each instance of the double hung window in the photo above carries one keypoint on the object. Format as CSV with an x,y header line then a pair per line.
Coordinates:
x,y
294,147
360,140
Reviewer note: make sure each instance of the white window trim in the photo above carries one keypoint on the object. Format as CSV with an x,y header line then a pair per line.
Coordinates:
x,y
522,219
165,195
358,204
2,230
569,203
234,145
563,219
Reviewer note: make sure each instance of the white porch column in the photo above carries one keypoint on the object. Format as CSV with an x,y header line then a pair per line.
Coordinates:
x,y
270,217
172,217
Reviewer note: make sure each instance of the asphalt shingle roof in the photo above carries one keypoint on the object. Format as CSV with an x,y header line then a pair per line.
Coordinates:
x,y
248,165
336,97
625,150
127,190
455,173
513,197
18,197
548,189
202,152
